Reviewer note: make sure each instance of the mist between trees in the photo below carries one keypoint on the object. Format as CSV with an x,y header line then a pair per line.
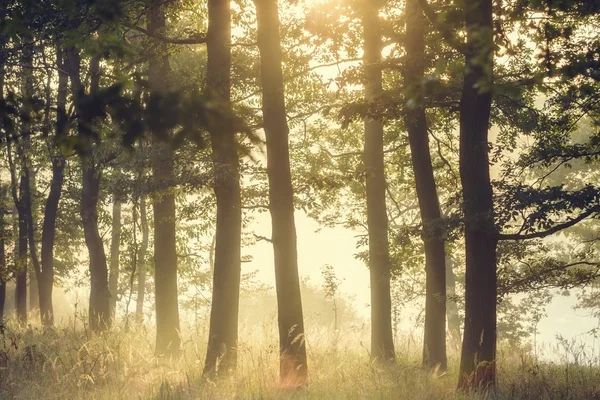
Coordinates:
x,y
150,147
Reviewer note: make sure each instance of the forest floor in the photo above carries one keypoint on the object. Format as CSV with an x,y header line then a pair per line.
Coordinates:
x,y
69,362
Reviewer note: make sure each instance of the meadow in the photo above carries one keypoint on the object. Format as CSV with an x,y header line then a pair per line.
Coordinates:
x,y
72,362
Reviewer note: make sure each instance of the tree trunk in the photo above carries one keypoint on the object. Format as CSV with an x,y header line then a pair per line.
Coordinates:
x,y
3,235
46,281
99,309
477,364
3,192
165,252
452,306
34,298
382,338
434,340
141,289
21,264
3,270
293,366
23,201
115,244
223,332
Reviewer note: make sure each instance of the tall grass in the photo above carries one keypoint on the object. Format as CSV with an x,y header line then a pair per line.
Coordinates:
x,y
70,362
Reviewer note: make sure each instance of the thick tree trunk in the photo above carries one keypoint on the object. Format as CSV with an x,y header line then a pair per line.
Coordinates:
x,y
382,338
165,252
293,366
99,310
434,343
223,332
141,287
46,281
452,305
477,364
115,246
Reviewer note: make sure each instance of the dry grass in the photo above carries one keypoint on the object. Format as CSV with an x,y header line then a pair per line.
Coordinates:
x,y
70,362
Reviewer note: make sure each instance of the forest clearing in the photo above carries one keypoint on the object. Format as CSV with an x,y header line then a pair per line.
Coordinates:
x,y
299,199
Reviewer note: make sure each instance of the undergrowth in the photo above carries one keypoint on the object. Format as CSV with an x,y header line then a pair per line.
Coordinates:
x,y
70,362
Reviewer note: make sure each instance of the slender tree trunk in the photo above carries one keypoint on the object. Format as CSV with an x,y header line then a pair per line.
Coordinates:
x,y
46,281
115,245
223,332
23,201
21,264
99,308
165,251
452,305
3,236
3,190
477,364
3,269
141,289
34,299
434,343
382,337
293,365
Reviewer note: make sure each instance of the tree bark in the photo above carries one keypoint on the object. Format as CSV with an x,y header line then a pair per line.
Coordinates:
x,y
3,271
434,340
46,281
22,200
165,252
3,192
477,364
34,298
141,289
115,245
223,333
293,365
21,264
99,309
382,337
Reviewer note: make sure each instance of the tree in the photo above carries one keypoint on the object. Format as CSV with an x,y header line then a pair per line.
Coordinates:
x,y
382,340
46,278
99,307
165,251
293,367
415,120
22,198
3,236
478,355
222,339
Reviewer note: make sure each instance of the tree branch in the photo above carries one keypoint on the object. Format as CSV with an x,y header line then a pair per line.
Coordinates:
x,y
554,229
199,38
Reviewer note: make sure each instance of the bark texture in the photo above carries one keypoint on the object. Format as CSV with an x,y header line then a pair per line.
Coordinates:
x,y
434,343
382,338
165,251
223,333
478,357
293,365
